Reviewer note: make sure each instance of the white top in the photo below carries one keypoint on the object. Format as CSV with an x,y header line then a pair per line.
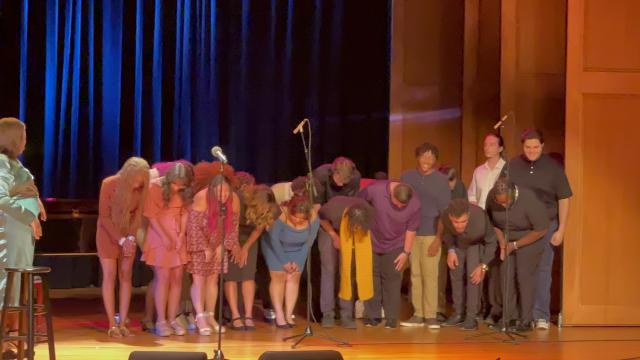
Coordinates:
x,y
483,180
282,192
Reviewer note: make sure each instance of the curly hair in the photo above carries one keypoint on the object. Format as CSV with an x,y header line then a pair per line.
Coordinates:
x,y
244,179
262,208
178,171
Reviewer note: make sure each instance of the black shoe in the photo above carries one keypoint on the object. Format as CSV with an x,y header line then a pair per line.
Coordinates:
x,y
522,327
371,322
469,325
453,320
391,324
440,317
283,326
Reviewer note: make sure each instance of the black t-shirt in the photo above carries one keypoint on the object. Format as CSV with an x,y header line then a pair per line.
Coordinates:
x,y
479,230
526,214
327,188
545,177
332,211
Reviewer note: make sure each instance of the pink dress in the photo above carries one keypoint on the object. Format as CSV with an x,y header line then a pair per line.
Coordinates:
x,y
200,237
154,252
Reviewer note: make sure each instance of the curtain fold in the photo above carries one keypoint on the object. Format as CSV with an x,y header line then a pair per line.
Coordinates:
x,y
100,81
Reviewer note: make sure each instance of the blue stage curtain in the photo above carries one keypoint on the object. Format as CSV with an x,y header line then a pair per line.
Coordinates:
x,y
99,81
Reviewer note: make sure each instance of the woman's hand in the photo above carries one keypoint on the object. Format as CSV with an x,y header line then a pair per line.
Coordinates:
x,y
36,229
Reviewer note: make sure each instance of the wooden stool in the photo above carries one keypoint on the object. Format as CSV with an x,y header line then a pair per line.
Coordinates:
x,y
27,310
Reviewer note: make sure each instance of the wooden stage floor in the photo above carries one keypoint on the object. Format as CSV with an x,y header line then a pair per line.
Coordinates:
x,y
80,330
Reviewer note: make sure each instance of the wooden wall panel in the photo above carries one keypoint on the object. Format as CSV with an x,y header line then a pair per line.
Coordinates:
x,y
533,70
611,35
601,250
481,94
426,80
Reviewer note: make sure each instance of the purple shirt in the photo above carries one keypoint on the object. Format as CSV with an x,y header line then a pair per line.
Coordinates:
x,y
390,223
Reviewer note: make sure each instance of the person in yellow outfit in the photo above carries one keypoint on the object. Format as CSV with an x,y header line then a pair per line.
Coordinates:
x,y
348,220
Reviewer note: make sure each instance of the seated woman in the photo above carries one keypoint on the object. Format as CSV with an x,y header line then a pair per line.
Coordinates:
x,y
205,232
285,252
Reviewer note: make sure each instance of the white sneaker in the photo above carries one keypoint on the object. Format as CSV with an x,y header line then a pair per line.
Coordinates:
x,y
542,324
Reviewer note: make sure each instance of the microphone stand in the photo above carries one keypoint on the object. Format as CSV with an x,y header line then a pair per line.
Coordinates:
x,y
218,354
311,190
503,324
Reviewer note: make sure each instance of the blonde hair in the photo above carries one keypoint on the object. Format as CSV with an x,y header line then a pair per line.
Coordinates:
x,y
11,136
262,208
123,202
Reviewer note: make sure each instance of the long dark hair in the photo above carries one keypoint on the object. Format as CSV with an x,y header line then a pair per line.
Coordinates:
x,y
179,171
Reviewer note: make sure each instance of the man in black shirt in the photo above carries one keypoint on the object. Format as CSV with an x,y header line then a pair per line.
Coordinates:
x,y
546,177
340,178
470,240
520,245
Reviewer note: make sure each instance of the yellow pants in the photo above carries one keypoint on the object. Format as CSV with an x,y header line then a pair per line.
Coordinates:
x,y
424,278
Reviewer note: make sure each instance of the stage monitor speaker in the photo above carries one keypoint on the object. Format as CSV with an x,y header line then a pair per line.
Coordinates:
x,y
298,355
167,355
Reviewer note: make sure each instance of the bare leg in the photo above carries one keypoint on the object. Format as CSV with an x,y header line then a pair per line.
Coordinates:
x,y
161,288
276,290
109,271
149,307
124,275
231,292
248,294
292,288
175,291
211,299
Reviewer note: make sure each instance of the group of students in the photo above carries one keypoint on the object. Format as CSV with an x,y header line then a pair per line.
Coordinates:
x,y
193,222
495,242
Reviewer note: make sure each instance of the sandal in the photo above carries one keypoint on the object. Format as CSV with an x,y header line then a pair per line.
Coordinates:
x,y
203,330
163,329
125,332
147,325
233,326
214,324
249,327
114,332
177,328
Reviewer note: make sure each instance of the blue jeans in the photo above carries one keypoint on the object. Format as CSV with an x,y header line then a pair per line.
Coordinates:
x,y
543,283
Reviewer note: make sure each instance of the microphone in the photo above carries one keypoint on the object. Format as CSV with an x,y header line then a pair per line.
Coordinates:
x,y
299,127
499,123
216,151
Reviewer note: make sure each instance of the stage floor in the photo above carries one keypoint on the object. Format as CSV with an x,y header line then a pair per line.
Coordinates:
x,y
80,331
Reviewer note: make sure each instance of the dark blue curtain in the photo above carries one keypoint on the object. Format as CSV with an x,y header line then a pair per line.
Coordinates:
x,y
99,81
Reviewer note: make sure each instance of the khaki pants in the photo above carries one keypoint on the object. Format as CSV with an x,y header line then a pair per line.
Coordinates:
x,y
424,278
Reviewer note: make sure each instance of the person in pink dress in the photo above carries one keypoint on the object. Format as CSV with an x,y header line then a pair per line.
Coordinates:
x,y
207,233
164,248
122,200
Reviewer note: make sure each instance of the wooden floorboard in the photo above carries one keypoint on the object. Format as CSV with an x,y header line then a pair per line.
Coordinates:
x,y
80,331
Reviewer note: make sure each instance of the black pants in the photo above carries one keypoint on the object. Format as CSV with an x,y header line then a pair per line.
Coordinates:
x,y
523,266
387,282
466,296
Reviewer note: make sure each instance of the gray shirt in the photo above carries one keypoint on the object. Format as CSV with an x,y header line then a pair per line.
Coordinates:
x,y
434,194
545,177
327,188
526,214
479,230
